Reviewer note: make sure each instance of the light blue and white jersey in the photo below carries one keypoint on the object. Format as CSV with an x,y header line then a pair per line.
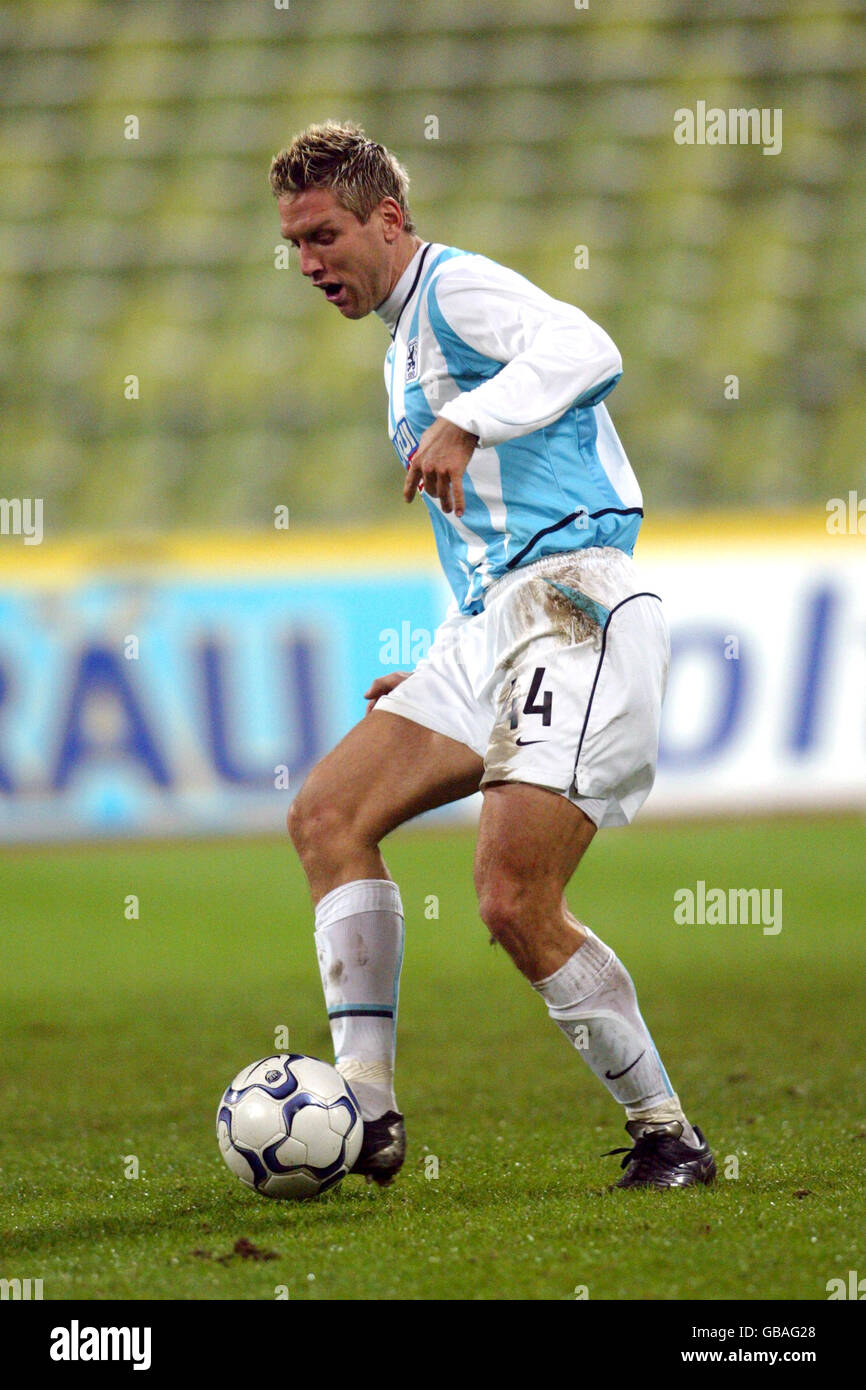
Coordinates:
x,y
483,347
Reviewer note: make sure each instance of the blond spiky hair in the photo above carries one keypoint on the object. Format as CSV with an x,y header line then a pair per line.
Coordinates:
x,y
338,155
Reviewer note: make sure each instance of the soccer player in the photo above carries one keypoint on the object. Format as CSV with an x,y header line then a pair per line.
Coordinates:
x,y
543,686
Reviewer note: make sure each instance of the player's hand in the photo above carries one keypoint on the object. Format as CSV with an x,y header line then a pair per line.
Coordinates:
x,y
382,684
440,461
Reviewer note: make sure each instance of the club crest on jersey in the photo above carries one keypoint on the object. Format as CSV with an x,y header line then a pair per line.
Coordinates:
x,y
404,441
412,360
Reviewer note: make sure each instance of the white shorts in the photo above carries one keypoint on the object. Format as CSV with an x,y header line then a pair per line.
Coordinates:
x,y
559,682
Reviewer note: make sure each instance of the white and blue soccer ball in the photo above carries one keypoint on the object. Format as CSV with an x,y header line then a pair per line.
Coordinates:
x,y
289,1126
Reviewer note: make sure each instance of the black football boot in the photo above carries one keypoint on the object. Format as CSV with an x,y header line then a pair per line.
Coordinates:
x,y
661,1159
383,1150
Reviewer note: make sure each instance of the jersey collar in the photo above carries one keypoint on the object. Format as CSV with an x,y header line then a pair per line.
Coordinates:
x,y
390,309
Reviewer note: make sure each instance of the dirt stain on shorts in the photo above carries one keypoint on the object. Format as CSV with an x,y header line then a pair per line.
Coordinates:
x,y
580,623
570,620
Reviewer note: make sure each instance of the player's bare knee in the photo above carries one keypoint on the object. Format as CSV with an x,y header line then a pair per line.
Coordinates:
x,y
296,823
327,828
505,907
298,826
317,823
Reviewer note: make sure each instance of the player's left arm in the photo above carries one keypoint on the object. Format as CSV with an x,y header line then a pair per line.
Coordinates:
x,y
441,459
554,356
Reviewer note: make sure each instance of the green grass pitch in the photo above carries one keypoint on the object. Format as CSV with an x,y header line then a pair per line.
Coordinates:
x,y
119,1036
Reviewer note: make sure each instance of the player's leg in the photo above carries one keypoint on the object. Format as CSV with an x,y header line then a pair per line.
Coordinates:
x,y
530,842
385,771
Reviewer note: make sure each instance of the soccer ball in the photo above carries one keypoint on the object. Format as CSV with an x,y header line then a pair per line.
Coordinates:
x,y
289,1126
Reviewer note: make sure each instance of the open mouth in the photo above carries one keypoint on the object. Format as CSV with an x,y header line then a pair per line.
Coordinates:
x,y
333,291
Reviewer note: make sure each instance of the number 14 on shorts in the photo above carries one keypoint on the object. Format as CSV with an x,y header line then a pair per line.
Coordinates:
x,y
533,704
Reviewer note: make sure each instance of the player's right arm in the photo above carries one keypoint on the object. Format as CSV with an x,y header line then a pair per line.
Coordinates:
x,y
382,685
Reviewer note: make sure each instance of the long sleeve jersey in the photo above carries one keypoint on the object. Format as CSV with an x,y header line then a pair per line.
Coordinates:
x,y
485,348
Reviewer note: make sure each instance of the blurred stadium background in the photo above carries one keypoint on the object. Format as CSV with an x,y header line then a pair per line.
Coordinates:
x,y
155,256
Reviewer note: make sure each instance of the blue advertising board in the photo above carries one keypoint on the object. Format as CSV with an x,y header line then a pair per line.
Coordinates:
x,y
165,701
185,686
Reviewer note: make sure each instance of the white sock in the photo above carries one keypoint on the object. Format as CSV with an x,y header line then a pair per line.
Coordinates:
x,y
593,1001
359,942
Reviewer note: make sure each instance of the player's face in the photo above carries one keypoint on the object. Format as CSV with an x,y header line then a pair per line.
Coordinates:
x,y
348,260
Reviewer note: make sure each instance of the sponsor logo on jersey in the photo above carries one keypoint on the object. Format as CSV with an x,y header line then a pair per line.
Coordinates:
x,y
404,441
412,360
